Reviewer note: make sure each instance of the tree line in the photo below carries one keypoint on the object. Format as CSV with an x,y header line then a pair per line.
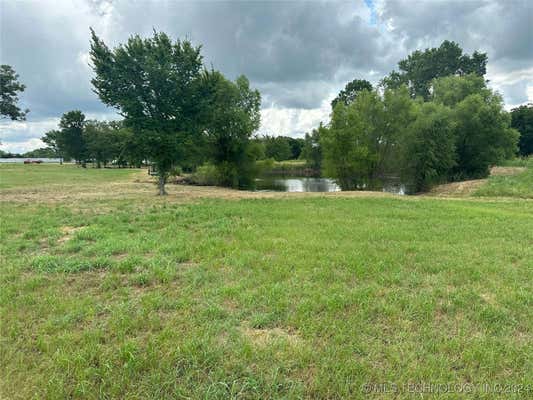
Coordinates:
x,y
100,142
434,120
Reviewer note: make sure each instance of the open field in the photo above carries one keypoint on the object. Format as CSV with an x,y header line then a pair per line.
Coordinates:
x,y
108,291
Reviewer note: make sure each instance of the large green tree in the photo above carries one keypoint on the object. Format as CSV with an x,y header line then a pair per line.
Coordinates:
x,y
232,115
71,137
10,88
349,143
522,121
482,128
154,83
420,68
361,145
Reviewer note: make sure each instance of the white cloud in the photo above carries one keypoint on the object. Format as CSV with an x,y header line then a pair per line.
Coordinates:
x,y
22,136
292,121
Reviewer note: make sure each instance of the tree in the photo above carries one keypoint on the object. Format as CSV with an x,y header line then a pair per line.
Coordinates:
x,y
482,128
398,113
350,91
428,147
296,145
420,68
483,135
312,150
277,147
233,116
10,87
101,142
349,145
71,137
154,83
522,121
55,142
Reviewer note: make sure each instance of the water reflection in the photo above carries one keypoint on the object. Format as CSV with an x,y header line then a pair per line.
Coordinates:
x,y
294,184
305,184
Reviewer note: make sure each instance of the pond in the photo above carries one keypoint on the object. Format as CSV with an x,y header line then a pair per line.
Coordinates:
x,y
307,184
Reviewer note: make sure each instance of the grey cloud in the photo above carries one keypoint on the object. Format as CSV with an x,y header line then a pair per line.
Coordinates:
x,y
273,43
503,29
45,44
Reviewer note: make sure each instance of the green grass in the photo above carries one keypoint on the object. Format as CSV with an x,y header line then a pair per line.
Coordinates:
x,y
17,175
263,298
519,185
519,162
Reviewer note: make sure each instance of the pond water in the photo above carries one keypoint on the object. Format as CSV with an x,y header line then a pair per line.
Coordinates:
x,y
307,184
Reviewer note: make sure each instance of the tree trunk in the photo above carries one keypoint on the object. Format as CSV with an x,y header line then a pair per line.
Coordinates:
x,y
161,185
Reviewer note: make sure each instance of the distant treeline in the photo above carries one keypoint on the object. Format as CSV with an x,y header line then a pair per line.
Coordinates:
x,y
103,143
279,148
99,142
37,153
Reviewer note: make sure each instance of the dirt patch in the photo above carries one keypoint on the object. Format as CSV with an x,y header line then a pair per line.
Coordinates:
x,y
464,188
230,305
506,171
119,256
489,298
266,336
68,232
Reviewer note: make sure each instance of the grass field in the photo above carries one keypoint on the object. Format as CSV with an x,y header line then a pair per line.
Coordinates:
x,y
108,292
515,185
18,175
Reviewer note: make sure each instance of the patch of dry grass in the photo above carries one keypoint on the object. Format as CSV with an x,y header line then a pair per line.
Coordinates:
x,y
267,336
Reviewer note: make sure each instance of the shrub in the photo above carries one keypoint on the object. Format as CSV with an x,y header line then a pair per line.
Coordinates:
x,y
206,174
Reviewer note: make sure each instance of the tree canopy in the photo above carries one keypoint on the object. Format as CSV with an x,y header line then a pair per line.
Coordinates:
x,y
233,115
10,88
154,83
71,135
180,113
481,126
458,133
522,121
420,68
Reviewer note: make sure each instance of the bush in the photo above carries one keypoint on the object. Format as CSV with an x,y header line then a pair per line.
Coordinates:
x,y
206,175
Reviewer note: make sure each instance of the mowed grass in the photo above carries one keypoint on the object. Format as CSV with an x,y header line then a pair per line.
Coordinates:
x,y
304,297
26,175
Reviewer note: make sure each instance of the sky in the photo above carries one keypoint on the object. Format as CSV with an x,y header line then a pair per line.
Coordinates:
x,y
298,54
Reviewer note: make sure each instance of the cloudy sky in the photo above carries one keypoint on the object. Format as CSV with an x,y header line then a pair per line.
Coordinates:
x,y
298,54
